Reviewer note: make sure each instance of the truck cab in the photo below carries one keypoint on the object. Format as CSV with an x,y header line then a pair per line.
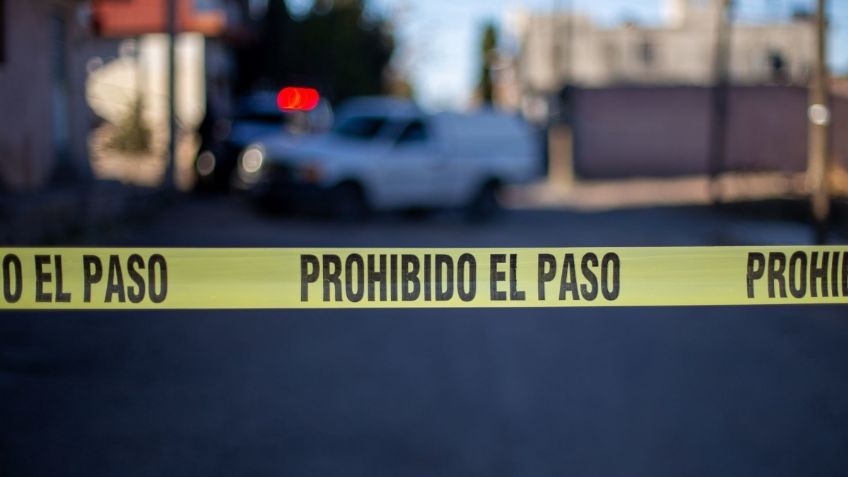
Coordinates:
x,y
389,154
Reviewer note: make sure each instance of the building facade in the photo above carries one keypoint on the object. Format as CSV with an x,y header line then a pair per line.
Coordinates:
x,y
49,51
42,73
571,49
657,131
641,100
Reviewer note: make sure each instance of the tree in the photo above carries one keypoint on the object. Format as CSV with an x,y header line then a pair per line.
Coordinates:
x,y
344,50
488,56
260,45
337,47
277,35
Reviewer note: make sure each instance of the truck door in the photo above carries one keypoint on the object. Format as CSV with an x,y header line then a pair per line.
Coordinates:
x,y
414,171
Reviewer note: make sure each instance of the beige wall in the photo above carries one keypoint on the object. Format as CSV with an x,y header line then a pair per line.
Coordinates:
x,y
114,87
683,52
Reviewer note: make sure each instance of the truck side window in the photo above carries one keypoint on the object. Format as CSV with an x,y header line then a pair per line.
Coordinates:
x,y
364,127
415,131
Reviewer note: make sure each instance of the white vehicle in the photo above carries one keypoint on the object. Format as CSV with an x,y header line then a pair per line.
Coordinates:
x,y
387,154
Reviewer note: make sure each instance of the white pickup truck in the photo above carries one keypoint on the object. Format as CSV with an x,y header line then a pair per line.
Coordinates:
x,y
386,153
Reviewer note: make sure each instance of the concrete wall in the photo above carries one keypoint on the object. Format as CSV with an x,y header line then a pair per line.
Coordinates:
x,y
26,151
664,131
43,117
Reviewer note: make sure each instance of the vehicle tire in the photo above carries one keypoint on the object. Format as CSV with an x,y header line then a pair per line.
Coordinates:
x,y
349,203
485,205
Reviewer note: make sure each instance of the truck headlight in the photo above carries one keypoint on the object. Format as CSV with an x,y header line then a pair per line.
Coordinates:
x,y
251,160
250,164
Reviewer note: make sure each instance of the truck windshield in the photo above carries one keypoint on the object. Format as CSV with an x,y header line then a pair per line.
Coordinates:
x,y
361,127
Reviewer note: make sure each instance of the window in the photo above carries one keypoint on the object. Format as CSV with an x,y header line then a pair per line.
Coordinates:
x,y
646,53
777,67
207,5
414,132
362,127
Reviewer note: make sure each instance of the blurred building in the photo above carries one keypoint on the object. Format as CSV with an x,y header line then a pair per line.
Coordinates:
x,y
571,49
41,99
627,131
639,100
50,49
204,62
138,78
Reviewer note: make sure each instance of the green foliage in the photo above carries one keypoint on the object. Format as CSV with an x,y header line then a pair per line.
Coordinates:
x,y
336,47
132,134
488,52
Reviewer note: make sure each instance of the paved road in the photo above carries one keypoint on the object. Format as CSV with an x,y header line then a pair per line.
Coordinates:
x,y
652,391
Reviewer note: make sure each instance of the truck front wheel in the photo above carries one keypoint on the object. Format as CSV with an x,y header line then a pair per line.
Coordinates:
x,y
349,203
484,205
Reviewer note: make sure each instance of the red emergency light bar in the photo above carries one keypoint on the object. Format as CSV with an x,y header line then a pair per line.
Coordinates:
x,y
298,99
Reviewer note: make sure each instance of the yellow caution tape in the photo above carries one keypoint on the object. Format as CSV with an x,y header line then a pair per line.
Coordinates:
x,y
228,278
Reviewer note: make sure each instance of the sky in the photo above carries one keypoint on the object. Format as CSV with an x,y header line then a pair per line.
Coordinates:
x,y
439,39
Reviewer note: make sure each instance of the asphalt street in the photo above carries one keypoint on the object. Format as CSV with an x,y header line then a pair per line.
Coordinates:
x,y
511,392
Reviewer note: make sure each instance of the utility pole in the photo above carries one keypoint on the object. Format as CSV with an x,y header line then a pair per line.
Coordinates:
x,y
561,50
819,117
556,50
170,165
719,93
566,61
560,170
